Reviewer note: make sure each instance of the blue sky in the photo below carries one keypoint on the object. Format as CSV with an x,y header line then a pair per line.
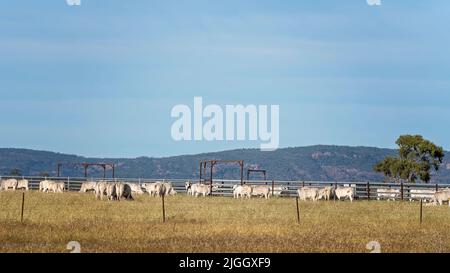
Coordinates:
x,y
101,79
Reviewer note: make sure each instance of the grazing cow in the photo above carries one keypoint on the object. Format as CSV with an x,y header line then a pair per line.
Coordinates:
x,y
345,192
43,185
199,189
151,188
389,194
442,196
424,195
307,193
123,190
261,191
325,193
188,186
135,188
23,184
9,183
243,191
111,191
100,189
168,189
52,186
88,186
278,190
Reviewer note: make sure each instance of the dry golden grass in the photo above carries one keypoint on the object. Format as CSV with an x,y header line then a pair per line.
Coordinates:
x,y
216,225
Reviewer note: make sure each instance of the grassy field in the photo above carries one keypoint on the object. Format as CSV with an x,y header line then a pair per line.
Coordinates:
x,y
216,225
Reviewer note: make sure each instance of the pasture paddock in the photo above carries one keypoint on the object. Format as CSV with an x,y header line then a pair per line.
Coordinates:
x,y
216,224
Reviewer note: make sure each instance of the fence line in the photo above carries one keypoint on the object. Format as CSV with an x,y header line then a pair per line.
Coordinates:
x,y
363,190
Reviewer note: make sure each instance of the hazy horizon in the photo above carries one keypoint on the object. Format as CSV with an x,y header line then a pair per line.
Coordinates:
x,y
176,155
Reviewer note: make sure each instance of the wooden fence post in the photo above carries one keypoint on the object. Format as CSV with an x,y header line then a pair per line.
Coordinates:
x,y
298,210
273,187
401,191
23,206
163,209
368,191
421,211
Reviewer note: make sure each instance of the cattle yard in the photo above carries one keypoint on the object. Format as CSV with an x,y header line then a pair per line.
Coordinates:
x,y
47,222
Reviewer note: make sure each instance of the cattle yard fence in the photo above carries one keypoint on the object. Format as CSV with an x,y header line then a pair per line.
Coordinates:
x,y
363,190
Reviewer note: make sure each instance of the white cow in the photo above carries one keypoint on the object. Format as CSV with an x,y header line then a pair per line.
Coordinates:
x,y
23,184
88,186
425,195
43,185
244,191
278,190
123,190
345,192
100,189
53,186
261,191
168,189
306,193
9,183
442,196
325,193
111,191
199,189
389,194
135,188
150,188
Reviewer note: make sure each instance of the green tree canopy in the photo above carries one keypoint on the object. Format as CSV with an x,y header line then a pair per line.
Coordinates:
x,y
417,157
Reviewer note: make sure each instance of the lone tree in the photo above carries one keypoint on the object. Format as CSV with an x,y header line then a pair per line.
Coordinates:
x,y
417,157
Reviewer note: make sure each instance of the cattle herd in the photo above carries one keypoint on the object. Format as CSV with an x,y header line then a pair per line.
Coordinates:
x,y
125,191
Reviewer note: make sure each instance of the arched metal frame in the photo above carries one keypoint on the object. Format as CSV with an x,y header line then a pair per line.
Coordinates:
x,y
213,163
264,172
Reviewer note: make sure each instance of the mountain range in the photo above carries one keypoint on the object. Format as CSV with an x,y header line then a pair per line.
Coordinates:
x,y
312,163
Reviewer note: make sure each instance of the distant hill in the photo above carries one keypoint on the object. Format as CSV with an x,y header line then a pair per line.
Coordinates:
x,y
326,163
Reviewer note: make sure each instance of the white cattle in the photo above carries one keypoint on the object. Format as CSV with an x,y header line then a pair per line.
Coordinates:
x,y
100,189
306,193
188,186
150,188
243,191
9,183
43,185
261,191
88,186
53,186
23,184
111,191
442,196
168,189
199,189
325,193
278,190
345,192
389,194
135,188
425,195
123,190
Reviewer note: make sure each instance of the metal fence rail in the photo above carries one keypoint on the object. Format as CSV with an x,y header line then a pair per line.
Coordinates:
x,y
363,190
